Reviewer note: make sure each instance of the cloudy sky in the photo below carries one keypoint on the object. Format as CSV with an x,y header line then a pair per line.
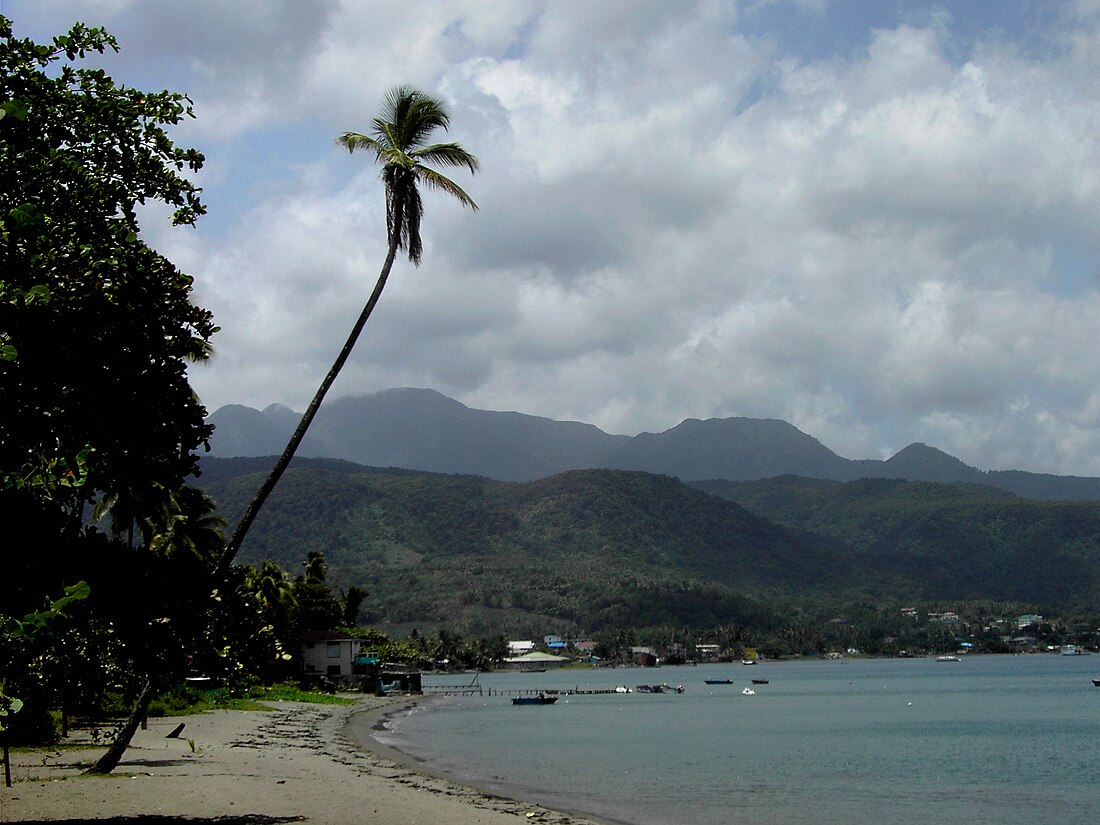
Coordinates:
x,y
875,220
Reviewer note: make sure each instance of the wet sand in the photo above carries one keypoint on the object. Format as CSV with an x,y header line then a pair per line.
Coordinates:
x,y
295,763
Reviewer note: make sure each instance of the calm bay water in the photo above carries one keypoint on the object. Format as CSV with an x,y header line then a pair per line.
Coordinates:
x,y
991,739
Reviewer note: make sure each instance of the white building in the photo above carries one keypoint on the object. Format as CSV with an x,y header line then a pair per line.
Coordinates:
x,y
329,654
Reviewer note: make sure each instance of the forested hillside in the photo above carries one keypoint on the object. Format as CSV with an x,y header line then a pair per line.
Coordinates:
x,y
586,550
961,541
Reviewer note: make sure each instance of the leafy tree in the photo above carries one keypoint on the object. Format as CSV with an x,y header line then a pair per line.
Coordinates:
x,y
96,332
22,642
353,600
97,327
316,607
409,117
256,622
316,567
446,649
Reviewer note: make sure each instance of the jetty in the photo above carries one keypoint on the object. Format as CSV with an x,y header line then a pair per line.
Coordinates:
x,y
474,688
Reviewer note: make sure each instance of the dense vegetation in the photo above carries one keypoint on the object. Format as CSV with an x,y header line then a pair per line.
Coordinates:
x,y
956,541
96,332
587,551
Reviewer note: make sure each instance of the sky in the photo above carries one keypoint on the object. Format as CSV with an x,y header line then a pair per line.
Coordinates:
x,y
874,220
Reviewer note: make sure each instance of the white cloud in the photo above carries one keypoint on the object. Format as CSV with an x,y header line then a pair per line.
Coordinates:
x,y
679,217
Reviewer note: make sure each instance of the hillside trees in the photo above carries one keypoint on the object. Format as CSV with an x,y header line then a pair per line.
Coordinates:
x,y
397,140
96,333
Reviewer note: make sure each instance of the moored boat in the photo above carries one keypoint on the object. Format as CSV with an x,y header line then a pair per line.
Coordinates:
x,y
539,699
719,681
759,681
1096,682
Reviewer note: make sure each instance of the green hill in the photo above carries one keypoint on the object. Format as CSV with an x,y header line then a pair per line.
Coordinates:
x,y
958,541
582,550
592,549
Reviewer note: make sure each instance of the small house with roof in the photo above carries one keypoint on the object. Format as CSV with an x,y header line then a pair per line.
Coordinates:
x,y
536,660
326,653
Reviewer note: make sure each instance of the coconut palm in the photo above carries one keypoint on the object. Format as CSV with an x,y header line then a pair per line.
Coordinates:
x,y
408,118
316,567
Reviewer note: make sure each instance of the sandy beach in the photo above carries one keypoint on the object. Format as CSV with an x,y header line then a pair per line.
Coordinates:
x,y
294,763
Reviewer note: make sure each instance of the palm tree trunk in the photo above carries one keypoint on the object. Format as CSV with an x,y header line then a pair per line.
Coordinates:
x,y
253,509
109,761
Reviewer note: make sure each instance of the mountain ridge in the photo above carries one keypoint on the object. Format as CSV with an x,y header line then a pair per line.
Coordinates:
x,y
422,429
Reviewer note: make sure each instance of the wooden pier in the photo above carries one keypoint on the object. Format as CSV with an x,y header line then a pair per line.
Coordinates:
x,y
474,689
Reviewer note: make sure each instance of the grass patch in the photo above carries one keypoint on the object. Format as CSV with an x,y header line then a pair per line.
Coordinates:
x,y
186,700
293,693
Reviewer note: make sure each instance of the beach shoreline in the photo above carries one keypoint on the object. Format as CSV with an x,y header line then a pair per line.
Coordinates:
x,y
294,763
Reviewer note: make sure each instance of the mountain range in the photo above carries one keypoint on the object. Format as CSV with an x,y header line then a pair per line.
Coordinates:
x,y
421,429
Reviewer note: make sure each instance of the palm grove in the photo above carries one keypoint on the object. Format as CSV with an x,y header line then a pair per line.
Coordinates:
x,y
124,582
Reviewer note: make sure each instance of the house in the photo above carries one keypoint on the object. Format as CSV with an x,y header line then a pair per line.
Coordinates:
x,y
706,652
520,648
535,661
330,654
348,662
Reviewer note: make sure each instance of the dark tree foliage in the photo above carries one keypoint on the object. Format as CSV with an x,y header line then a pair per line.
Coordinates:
x,y
96,332
96,327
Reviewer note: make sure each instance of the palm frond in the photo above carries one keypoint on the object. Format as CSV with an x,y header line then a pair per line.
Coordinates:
x,y
435,180
446,154
354,140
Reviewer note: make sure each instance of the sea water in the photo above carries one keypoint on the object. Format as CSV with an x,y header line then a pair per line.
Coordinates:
x,y
989,739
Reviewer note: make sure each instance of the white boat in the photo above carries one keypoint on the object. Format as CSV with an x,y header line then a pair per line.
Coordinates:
x,y
748,692
948,657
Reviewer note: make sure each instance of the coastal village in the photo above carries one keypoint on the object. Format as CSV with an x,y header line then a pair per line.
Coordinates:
x,y
344,659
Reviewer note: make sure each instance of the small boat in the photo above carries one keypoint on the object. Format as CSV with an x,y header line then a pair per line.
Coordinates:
x,y
748,661
719,681
623,689
759,681
1096,682
540,699
950,657
748,692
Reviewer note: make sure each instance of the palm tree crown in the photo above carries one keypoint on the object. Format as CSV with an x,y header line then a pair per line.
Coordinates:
x,y
408,118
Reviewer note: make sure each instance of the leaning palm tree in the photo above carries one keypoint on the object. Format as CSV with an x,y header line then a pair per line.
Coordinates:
x,y
408,118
